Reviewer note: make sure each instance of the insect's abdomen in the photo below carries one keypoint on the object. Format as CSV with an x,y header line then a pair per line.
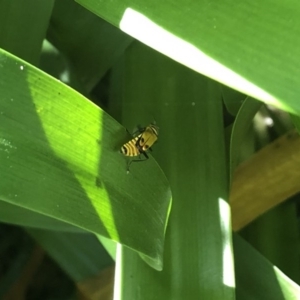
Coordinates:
x,y
130,149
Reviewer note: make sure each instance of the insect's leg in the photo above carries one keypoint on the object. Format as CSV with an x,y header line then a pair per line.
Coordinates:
x,y
146,155
137,160
140,128
135,133
138,131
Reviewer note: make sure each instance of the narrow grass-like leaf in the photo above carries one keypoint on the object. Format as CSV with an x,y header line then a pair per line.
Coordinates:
x,y
59,156
187,107
23,26
98,44
233,99
240,128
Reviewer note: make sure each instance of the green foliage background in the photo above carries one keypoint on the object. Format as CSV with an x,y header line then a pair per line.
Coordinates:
x,y
62,176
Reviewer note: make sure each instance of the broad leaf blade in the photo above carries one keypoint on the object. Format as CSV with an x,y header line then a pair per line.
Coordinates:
x,y
252,46
59,156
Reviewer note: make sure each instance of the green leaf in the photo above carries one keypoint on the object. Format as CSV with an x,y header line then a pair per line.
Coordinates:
x,y
90,44
232,99
240,128
80,255
23,27
188,109
257,279
60,156
275,235
296,122
17,215
252,47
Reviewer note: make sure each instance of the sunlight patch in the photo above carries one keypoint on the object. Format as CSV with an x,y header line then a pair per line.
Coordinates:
x,y
228,266
118,273
288,287
151,34
76,147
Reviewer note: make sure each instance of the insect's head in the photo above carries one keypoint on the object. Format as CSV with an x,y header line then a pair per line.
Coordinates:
x,y
154,127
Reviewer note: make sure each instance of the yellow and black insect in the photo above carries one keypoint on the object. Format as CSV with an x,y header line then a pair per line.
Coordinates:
x,y
143,140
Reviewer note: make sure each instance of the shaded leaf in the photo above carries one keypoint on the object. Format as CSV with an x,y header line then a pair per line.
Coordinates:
x,y
80,255
98,44
23,27
257,278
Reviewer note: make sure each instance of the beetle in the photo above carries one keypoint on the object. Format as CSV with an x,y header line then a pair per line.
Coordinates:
x,y
141,143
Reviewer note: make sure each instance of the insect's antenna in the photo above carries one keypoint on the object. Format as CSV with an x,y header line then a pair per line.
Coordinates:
x,y
154,121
